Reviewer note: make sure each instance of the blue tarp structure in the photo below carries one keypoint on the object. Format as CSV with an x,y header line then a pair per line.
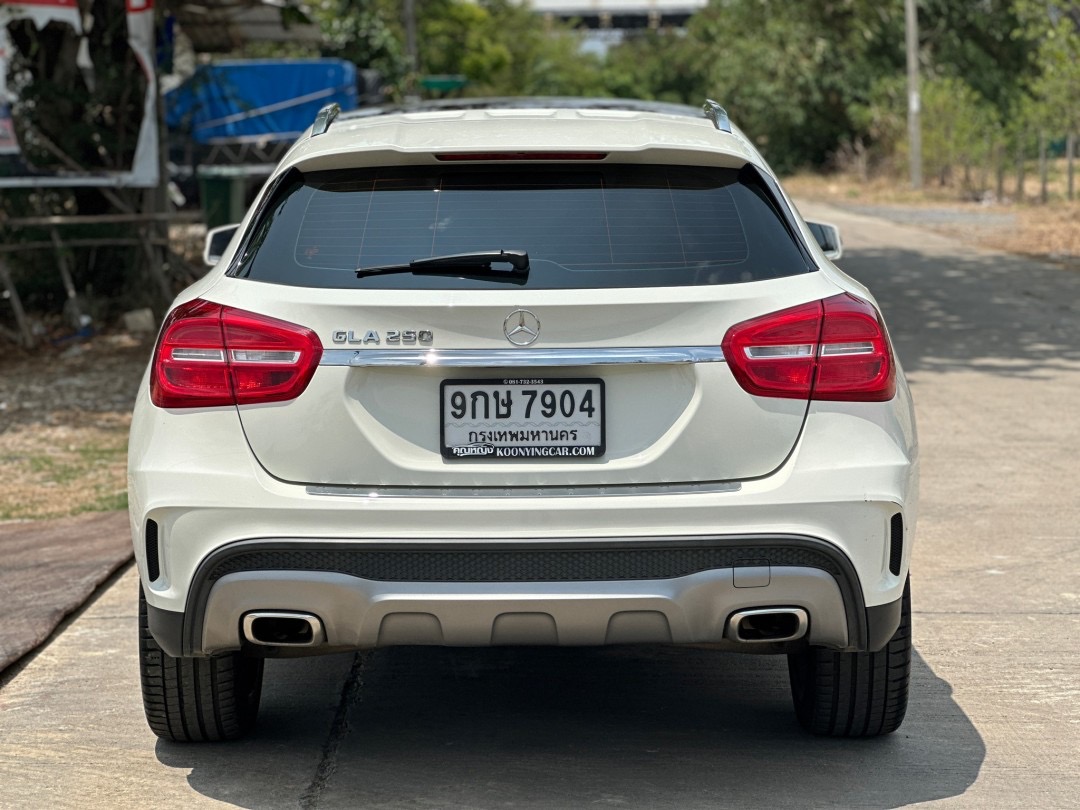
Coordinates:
x,y
258,100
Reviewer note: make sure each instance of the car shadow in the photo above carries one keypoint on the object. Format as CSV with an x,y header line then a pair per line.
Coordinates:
x,y
558,728
971,310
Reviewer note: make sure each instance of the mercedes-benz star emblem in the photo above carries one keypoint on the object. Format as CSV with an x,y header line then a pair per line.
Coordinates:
x,y
521,327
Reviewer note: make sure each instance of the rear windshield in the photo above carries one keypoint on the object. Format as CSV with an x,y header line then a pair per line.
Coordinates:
x,y
606,226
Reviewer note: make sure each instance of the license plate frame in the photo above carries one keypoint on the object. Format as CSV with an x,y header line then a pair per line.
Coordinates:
x,y
496,442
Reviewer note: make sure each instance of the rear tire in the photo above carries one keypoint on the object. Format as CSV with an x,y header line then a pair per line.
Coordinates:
x,y
855,694
196,699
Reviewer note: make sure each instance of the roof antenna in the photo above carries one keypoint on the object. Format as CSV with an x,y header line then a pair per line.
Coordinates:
x,y
717,114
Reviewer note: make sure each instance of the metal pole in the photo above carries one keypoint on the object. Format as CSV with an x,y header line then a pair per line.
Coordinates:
x,y
410,48
911,25
156,202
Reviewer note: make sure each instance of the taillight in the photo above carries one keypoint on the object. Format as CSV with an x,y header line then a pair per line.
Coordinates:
x,y
855,362
190,369
834,349
773,356
210,355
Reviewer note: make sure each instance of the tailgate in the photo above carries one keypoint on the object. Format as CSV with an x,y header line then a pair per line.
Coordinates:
x,y
641,369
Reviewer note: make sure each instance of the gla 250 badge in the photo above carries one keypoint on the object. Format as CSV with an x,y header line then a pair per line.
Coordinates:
x,y
403,336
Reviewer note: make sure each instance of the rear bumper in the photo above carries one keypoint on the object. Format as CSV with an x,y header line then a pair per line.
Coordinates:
x,y
853,470
674,590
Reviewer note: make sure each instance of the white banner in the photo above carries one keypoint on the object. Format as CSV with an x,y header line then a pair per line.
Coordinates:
x,y
140,25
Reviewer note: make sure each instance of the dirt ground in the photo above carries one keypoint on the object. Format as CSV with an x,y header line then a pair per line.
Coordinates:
x,y
64,418
1050,231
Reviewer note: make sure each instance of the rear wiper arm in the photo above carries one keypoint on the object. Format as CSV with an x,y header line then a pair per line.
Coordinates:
x,y
481,260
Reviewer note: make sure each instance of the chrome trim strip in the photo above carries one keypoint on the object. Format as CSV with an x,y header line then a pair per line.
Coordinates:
x,y
847,349
520,358
780,352
587,491
193,355
276,357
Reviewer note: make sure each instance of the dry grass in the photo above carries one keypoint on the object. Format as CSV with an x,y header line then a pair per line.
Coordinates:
x,y
62,469
64,419
1050,230
879,190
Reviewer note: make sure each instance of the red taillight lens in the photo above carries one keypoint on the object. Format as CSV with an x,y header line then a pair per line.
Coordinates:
x,y
773,356
190,369
855,362
209,355
271,360
834,349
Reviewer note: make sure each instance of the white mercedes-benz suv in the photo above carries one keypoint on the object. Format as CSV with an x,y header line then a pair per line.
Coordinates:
x,y
518,372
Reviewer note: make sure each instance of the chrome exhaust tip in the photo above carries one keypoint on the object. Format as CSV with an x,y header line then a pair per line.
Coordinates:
x,y
283,629
767,625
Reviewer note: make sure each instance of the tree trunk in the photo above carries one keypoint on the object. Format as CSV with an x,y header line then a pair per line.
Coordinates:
x,y
1020,168
25,332
1042,168
862,159
1070,160
999,170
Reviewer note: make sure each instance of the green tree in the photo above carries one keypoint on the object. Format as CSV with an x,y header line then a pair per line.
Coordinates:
x,y
366,32
959,132
975,40
818,78
1053,29
665,65
789,73
501,47
504,48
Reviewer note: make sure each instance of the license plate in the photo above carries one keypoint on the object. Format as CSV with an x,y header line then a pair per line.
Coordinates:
x,y
522,419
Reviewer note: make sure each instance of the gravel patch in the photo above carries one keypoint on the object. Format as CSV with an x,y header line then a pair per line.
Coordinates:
x,y
51,386
935,217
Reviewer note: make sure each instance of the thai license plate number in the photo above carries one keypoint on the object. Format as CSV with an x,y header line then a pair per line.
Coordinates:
x,y
522,419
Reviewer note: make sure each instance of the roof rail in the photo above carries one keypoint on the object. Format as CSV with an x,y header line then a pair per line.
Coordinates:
x,y
717,114
525,102
325,118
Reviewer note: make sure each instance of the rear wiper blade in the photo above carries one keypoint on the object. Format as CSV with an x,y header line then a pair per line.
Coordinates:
x,y
481,260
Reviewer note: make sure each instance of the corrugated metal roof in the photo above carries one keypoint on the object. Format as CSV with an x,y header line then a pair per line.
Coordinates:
x,y
219,26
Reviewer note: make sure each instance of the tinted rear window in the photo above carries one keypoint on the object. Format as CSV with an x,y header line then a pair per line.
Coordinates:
x,y
604,226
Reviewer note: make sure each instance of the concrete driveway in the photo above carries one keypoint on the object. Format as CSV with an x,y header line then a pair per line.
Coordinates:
x,y
992,346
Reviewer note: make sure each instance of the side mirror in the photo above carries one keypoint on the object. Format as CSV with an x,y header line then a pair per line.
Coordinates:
x,y
217,239
828,237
